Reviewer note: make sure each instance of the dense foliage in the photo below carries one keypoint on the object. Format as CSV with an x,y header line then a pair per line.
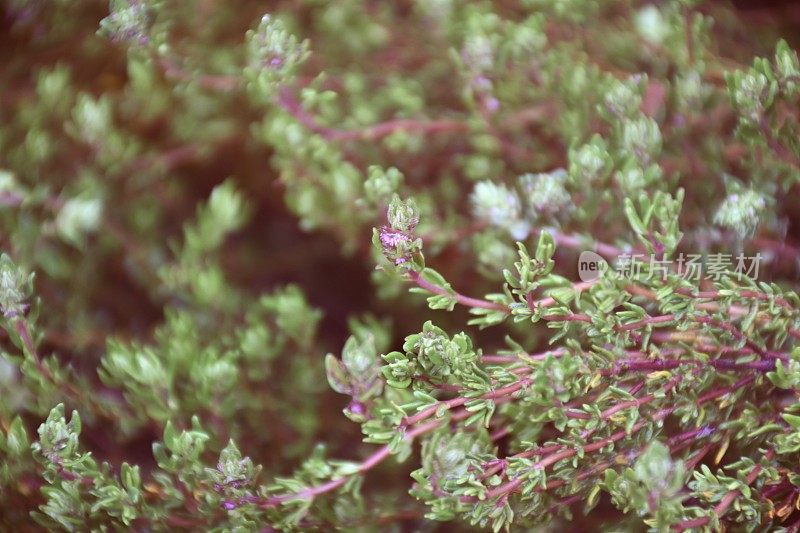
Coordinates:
x,y
198,201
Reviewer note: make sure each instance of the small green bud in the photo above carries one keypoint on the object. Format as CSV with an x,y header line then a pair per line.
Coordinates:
x,y
52,87
226,211
16,441
690,91
226,206
78,217
358,357
403,215
274,52
654,465
651,25
632,178
642,138
338,377
130,477
499,206
399,370
186,445
478,53
439,355
526,39
381,184
590,162
218,376
623,98
232,470
92,119
148,369
14,288
494,254
787,67
660,475
577,80
39,145
786,374
8,185
741,212
546,193
357,374
451,454
752,93
447,457
294,316
57,437
129,21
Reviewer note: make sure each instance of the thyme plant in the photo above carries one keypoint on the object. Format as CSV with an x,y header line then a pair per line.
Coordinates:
x,y
550,249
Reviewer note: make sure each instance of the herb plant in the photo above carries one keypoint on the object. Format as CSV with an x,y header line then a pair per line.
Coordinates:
x,y
551,246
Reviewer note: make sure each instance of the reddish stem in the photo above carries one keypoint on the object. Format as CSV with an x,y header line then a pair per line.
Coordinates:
x,y
565,453
289,103
457,402
764,365
370,462
460,298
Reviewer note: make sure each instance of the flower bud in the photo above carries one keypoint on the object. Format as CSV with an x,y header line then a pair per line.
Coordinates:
x,y
650,24
381,183
751,94
546,192
590,162
623,98
498,206
632,178
273,51
642,138
13,291
787,67
478,53
741,212
78,217
129,21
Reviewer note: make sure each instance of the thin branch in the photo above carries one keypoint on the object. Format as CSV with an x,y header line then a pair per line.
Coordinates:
x,y
460,298
457,402
727,500
515,484
650,365
370,462
289,103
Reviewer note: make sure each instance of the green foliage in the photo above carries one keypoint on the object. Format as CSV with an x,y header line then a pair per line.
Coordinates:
x,y
194,186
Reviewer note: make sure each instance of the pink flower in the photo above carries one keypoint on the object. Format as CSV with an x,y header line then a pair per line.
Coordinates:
x,y
392,238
